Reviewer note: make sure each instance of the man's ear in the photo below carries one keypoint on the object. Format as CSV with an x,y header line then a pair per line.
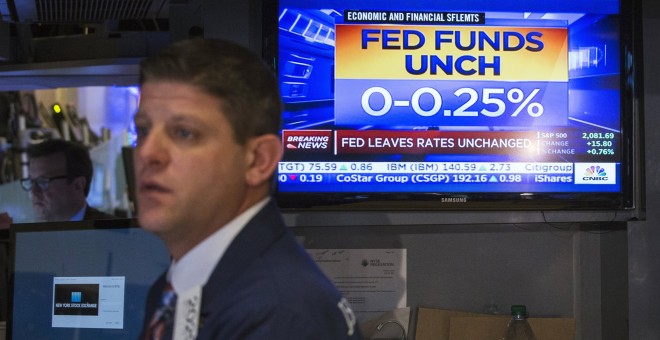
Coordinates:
x,y
79,183
263,154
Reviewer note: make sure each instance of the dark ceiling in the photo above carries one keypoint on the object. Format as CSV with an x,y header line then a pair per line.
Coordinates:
x,y
51,43
82,11
48,18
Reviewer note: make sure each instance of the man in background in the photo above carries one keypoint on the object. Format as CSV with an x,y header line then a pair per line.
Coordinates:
x,y
60,177
207,148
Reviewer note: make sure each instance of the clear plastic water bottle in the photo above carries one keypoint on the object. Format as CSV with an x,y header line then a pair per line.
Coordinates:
x,y
518,328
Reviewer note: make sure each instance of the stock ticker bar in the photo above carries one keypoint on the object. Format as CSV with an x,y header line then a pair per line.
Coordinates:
x,y
445,173
412,173
427,167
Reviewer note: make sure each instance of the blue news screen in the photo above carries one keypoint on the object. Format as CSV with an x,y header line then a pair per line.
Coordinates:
x,y
450,96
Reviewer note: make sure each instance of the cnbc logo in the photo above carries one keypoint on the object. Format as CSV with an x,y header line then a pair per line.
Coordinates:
x,y
589,173
595,173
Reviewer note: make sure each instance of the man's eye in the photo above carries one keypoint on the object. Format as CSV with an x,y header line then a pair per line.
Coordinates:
x,y
184,133
141,132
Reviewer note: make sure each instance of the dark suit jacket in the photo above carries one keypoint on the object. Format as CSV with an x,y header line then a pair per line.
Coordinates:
x,y
266,286
94,214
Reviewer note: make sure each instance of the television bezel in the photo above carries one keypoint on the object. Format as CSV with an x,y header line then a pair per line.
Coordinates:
x,y
630,198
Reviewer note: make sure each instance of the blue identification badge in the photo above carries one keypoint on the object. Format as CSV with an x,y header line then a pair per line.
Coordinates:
x,y
186,320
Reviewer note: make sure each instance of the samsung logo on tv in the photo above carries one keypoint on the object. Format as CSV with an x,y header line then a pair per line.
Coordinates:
x,y
595,173
453,200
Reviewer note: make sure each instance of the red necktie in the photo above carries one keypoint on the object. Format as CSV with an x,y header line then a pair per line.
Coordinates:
x,y
160,327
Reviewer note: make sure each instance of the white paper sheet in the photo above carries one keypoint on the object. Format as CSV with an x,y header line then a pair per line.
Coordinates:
x,y
372,280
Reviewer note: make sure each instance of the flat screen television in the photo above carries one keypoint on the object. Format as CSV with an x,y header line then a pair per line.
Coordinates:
x,y
81,280
457,104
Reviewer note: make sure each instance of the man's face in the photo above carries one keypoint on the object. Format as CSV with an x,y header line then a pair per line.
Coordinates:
x,y
190,171
61,200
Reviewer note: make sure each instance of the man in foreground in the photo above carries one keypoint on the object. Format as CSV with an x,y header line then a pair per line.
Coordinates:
x,y
208,145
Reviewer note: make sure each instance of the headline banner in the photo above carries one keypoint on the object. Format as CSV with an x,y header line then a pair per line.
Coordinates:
x,y
430,142
414,75
451,52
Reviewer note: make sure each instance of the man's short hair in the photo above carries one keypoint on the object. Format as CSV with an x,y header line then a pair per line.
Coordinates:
x,y
246,87
77,158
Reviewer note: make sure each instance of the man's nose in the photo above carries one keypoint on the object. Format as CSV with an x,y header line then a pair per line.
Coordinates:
x,y
152,149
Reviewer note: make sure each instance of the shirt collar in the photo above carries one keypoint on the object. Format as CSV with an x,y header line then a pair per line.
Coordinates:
x,y
80,214
196,266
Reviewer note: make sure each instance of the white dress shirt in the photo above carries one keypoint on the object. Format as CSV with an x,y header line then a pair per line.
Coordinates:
x,y
80,214
195,267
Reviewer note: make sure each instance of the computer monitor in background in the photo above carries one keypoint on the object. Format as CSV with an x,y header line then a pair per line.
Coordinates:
x,y
81,280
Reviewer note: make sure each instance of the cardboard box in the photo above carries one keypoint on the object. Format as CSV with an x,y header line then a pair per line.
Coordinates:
x,y
440,324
